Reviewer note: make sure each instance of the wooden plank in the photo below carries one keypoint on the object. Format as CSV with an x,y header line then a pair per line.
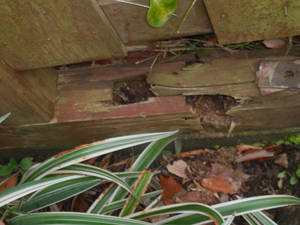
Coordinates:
x,y
225,76
250,20
131,24
276,111
45,33
29,95
65,134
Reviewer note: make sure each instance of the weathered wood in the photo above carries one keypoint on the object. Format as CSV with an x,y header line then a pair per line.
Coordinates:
x,y
250,20
127,120
226,76
131,24
29,95
45,33
276,111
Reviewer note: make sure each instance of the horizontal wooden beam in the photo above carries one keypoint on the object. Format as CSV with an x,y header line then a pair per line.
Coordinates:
x,y
85,111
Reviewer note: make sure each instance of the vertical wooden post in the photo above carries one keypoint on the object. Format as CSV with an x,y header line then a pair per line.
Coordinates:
x,y
28,95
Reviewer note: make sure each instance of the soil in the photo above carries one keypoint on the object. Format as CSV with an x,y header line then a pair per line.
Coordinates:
x,y
131,91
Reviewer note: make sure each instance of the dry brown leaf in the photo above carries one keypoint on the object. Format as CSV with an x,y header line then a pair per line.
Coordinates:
x,y
282,160
104,163
192,153
205,197
217,184
275,43
9,183
243,148
262,154
170,188
178,168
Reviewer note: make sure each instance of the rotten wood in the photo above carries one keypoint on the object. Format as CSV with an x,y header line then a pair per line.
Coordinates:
x,y
29,96
45,33
84,112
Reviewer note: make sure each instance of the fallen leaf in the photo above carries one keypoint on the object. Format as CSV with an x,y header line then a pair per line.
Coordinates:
x,y
217,184
262,154
104,163
170,188
282,160
275,43
178,168
235,177
9,183
192,153
243,148
205,197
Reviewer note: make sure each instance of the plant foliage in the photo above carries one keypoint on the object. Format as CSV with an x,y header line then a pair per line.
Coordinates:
x,y
64,176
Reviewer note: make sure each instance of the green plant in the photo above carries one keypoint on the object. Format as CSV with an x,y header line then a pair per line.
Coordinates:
x,y
64,176
293,177
12,166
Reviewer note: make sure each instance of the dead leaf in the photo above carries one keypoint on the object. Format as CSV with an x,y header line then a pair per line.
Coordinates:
x,y
262,154
104,163
205,197
217,184
235,177
192,153
10,182
243,148
178,168
170,188
275,43
282,160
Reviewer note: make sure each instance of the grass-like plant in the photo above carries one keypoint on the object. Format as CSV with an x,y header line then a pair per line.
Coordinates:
x,y
64,176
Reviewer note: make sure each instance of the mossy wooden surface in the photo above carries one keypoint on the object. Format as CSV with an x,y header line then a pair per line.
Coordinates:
x,y
29,95
250,20
45,33
131,24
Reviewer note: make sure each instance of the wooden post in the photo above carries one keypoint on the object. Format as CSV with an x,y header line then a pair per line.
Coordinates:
x,y
29,95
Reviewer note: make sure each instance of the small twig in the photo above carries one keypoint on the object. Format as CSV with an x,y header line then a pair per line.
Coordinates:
x,y
185,16
133,3
290,44
153,63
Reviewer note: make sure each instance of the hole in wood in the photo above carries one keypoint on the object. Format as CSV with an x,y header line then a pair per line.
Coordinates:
x,y
131,91
211,109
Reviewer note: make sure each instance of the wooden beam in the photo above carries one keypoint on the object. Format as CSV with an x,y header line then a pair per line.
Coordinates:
x,y
29,95
84,112
45,33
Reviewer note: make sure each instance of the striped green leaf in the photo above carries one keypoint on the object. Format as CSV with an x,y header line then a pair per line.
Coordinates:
x,y
139,190
144,160
70,218
99,203
229,220
251,219
58,192
22,190
239,207
89,151
4,117
119,204
187,208
263,218
94,171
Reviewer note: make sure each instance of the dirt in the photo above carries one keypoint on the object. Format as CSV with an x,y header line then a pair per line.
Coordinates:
x,y
211,109
131,91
